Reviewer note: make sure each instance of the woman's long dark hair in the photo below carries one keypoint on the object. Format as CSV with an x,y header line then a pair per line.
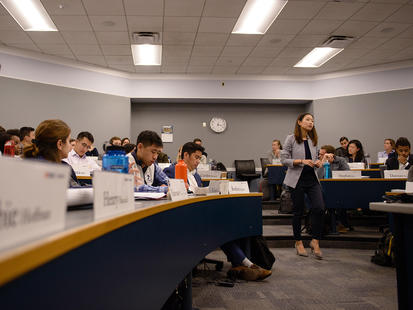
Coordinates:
x,y
297,131
360,153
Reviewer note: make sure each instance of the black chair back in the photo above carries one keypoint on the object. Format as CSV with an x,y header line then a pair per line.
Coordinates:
x,y
264,163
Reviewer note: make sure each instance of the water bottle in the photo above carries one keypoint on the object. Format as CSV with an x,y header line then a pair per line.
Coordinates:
x,y
115,159
181,171
9,148
367,156
326,170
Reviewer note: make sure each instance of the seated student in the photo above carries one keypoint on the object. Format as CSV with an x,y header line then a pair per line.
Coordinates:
x,y
15,137
125,141
4,137
326,153
72,142
52,144
389,146
77,156
26,135
342,150
148,147
275,154
204,154
115,141
404,159
242,267
163,158
355,152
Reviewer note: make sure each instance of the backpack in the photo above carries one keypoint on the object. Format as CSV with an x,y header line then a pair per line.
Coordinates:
x,y
384,255
260,253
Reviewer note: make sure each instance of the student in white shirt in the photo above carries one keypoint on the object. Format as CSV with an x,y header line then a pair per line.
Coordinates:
x,y
389,147
77,156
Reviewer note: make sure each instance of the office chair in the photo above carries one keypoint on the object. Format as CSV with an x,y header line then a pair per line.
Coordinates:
x,y
264,163
245,170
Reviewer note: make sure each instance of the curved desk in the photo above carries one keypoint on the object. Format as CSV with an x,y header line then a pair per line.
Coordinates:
x,y
132,261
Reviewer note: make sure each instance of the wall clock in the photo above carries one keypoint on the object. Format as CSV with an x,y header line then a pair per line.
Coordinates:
x,y
218,124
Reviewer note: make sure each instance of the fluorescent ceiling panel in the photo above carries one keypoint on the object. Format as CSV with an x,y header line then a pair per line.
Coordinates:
x,y
147,54
258,15
317,57
29,14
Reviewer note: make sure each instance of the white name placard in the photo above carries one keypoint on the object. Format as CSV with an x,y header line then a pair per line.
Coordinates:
x,y
238,187
112,193
82,169
346,174
210,174
381,160
32,199
395,174
219,187
354,166
177,189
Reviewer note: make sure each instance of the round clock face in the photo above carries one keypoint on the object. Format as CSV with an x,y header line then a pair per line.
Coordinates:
x,y
218,124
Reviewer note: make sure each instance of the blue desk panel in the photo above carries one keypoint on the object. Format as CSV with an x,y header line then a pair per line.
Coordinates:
x,y
138,265
276,174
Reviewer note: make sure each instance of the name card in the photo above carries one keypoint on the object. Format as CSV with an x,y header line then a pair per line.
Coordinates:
x,y
219,187
395,174
354,166
381,160
112,193
82,169
239,187
346,174
41,209
177,189
210,174
409,187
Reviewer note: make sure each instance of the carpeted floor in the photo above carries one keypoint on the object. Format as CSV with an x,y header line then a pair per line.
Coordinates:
x,y
345,279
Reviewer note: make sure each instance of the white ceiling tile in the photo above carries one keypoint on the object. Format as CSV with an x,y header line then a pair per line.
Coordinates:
x,y
46,37
275,40
8,23
70,7
216,24
96,60
184,24
144,7
3,11
230,61
321,26
387,30
301,71
230,51
287,26
275,71
355,28
265,52
11,36
225,69
113,37
104,7
390,1
375,12
85,49
174,69
339,10
199,69
227,8
202,61
206,50
408,33
379,54
243,40
79,37
178,38
55,49
368,43
255,61
119,60
116,49
177,50
403,54
396,44
307,41
148,69
352,53
26,46
127,68
174,61
251,70
108,23
72,23
403,15
284,62
297,52
301,9
144,23
184,7
211,39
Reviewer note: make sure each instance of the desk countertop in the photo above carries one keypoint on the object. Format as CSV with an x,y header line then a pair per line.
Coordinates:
x,y
404,208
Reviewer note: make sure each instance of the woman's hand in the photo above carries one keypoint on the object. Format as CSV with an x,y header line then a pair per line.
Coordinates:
x,y
318,163
308,162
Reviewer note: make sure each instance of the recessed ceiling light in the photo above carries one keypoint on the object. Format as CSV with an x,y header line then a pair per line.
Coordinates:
x,y
147,54
29,14
317,57
258,15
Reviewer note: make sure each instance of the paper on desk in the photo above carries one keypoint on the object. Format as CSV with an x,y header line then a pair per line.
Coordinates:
x,y
79,196
148,195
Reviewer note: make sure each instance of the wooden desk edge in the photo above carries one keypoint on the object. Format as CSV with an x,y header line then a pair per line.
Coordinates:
x,y
25,258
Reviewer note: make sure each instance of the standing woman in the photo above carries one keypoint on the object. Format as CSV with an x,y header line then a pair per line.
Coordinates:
x,y
300,156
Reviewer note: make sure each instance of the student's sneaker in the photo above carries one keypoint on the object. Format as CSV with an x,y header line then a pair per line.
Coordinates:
x,y
253,273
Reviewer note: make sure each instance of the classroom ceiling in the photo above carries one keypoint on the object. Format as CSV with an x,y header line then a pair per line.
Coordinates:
x,y
196,34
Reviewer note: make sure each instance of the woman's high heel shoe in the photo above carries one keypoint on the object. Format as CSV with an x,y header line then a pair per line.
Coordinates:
x,y
317,253
300,250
